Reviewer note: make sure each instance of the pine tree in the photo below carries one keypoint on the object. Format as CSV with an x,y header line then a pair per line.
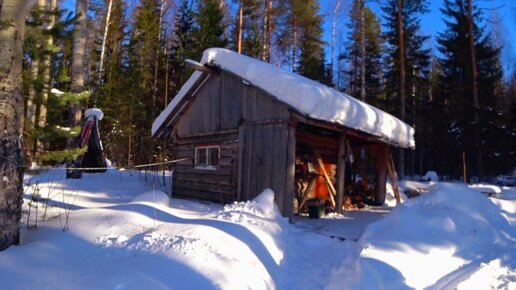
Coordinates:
x,y
246,36
407,63
464,118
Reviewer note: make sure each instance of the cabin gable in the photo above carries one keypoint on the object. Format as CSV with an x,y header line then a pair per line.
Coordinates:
x,y
223,102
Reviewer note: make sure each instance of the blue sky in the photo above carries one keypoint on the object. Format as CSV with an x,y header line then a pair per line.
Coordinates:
x,y
432,23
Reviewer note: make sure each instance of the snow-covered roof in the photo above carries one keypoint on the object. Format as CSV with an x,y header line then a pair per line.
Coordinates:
x,y
305,96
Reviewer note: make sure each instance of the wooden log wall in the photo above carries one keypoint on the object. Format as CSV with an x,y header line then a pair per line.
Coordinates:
x,y
216,185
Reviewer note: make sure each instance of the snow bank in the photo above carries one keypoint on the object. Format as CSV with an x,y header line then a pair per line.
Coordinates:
x,y
390,199
153,196
486,188
430,176
436,240
259,211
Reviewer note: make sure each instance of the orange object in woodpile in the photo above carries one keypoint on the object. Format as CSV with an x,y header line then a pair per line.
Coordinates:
x,y
321,189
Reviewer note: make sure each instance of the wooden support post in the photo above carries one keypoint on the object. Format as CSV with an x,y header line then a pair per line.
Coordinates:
x,y
288,202
394,177
381,180
341,170
331,188
241,144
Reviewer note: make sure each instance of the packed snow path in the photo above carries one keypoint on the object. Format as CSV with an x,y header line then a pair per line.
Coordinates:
x,y
121,235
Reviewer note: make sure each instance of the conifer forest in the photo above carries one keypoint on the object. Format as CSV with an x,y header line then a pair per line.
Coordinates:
x,y
457,88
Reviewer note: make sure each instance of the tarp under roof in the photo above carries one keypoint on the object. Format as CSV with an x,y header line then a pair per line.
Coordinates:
x,y
305,96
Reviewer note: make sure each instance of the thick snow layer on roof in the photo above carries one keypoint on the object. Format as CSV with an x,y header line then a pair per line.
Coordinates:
x,y
306,96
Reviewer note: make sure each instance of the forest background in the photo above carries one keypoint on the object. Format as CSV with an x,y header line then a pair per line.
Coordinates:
x,y
133,65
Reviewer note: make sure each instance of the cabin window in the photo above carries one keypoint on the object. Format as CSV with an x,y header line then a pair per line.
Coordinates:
x,y
207,157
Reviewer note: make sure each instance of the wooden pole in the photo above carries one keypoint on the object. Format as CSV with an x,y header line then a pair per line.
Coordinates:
x,y
464,170
341,172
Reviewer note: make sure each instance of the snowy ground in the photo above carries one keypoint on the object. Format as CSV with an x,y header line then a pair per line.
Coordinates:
x,y
123,234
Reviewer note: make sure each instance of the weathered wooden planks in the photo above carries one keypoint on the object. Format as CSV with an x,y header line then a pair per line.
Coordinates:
x,y
264,161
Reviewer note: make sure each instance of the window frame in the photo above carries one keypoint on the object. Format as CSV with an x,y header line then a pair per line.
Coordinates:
x,y
206,164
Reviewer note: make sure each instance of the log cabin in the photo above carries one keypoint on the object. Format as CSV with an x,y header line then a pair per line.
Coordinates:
x,y
241,125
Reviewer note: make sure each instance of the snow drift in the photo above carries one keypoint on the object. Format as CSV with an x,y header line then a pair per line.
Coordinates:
x,y
437,240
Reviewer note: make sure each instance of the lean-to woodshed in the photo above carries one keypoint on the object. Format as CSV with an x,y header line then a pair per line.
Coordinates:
x,y
245,125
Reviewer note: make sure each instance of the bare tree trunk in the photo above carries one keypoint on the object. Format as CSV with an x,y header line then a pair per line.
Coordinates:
x,y
11,121
240,24
42,116
474,91
104,39
294,42
401,160
79,44
333,32
130,138
362,52
267,31
167,76
30,115
156,60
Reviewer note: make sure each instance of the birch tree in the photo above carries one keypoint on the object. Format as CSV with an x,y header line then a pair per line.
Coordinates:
x,y
12,25
77,71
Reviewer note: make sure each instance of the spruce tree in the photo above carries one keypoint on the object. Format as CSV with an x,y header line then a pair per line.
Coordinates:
x,y
455,92
111,93
374,46
209,31
142,48
182,45
311,60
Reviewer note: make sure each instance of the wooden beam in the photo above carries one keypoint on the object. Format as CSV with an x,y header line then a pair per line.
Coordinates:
x,y
201,67
308,189
341,172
